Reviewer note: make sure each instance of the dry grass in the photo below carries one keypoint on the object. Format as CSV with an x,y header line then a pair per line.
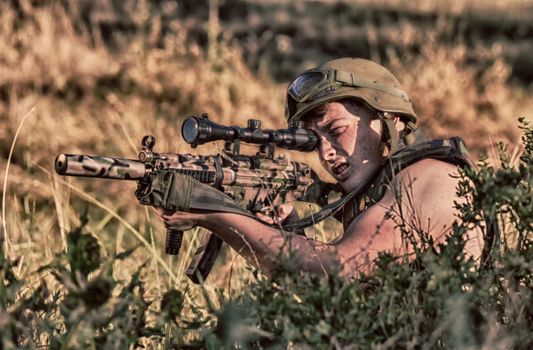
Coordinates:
x,y
49,66
453,98
89,97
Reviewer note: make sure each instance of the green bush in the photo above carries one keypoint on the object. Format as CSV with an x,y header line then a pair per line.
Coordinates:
x,y
439,299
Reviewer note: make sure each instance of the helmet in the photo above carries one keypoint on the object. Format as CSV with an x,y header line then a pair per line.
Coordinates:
x,y
347,78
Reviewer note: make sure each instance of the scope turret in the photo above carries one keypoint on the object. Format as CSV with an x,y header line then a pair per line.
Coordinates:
x,y
200,130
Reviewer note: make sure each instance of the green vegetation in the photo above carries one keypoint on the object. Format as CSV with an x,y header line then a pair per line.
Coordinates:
x,y
440,298
94,77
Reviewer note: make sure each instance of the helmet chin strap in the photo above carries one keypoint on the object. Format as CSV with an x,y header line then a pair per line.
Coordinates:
x,y
410,136
391,137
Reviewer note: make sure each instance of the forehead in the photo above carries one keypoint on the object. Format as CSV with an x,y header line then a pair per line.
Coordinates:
x,y
326,114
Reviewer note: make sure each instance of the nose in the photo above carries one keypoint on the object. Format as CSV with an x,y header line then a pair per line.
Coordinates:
x,y
326,151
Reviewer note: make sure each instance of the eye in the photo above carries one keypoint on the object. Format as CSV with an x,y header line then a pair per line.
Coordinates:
x,y
338,130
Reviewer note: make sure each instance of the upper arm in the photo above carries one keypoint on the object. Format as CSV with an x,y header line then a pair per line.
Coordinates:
x,y
420,199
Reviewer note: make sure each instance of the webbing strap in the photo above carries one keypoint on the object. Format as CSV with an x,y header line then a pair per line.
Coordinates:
x,y
388,122
410,136
442,149
332,208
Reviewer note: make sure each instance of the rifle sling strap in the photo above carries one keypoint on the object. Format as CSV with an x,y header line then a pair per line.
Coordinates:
x,y
332,208
450,150
175,191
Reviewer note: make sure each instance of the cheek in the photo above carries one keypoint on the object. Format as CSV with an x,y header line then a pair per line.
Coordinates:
x,y
347,143
369,139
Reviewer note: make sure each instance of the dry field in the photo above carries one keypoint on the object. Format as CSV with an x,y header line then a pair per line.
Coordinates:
x,y
93,77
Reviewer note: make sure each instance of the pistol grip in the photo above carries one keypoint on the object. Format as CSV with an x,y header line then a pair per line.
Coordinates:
x,y
173,242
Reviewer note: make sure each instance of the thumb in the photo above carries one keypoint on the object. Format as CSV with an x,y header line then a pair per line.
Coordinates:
x,y
285,210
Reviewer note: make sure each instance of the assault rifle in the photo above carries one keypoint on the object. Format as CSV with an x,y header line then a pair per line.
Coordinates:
x,y
253,182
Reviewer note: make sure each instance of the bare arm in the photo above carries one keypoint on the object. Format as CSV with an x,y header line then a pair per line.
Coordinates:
x,y
258,243
428,193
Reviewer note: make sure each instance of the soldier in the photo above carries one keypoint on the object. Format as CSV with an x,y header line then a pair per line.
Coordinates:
x,y
368,142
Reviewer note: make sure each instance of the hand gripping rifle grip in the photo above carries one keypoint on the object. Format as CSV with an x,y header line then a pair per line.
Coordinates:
x,y
173,242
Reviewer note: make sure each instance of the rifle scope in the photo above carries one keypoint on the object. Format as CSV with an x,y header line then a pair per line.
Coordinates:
x,y
200,130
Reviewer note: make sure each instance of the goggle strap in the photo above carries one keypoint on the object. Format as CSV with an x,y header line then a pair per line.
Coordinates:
x,y
351,80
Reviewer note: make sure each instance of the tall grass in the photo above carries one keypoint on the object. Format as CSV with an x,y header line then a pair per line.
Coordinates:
x,y
96,77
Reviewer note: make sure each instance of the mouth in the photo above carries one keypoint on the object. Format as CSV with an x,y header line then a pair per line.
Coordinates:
x,y
339,170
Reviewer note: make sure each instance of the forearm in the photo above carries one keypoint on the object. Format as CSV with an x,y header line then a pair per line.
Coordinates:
x,y
262,245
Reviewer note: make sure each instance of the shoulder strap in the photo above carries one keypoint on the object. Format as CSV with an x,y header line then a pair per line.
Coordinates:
x,y
332,208
451,150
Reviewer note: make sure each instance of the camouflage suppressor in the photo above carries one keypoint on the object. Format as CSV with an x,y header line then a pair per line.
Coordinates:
x,y
254,182
99,167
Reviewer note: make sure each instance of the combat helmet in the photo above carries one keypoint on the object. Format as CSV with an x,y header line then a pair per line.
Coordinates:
x,y
356,78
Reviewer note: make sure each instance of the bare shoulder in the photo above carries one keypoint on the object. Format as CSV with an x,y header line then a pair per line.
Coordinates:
x,y
430,176
427,192
433,198
422,198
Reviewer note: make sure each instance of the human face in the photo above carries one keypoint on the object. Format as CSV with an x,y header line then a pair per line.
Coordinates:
x,y
349,141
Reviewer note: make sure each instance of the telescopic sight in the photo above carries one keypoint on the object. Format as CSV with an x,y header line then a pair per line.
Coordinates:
x,y
197,131
189,130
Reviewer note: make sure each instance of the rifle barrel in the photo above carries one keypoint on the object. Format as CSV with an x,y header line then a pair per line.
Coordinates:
x,y
99,167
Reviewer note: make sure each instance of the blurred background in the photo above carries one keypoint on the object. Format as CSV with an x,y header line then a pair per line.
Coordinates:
x,y
94,76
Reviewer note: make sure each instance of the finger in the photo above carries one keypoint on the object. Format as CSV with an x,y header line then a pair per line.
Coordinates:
x,y
265,218
173,215
171,220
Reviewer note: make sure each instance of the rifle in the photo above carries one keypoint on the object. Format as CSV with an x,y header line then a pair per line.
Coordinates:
x,y
253,182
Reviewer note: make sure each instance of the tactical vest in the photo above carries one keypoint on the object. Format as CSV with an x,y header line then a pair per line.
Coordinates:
x,y
451,150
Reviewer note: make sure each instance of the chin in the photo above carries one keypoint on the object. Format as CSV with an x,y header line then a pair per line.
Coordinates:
x,y
350,182
347,185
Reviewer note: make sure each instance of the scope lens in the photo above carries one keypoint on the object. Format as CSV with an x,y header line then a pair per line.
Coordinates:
x,y
189,130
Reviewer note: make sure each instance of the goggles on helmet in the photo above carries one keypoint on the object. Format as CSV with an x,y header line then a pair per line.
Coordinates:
x,y
312,83
316,83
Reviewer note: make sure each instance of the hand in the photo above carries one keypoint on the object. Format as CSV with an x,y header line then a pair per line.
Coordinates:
x,y
178,220
285,212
